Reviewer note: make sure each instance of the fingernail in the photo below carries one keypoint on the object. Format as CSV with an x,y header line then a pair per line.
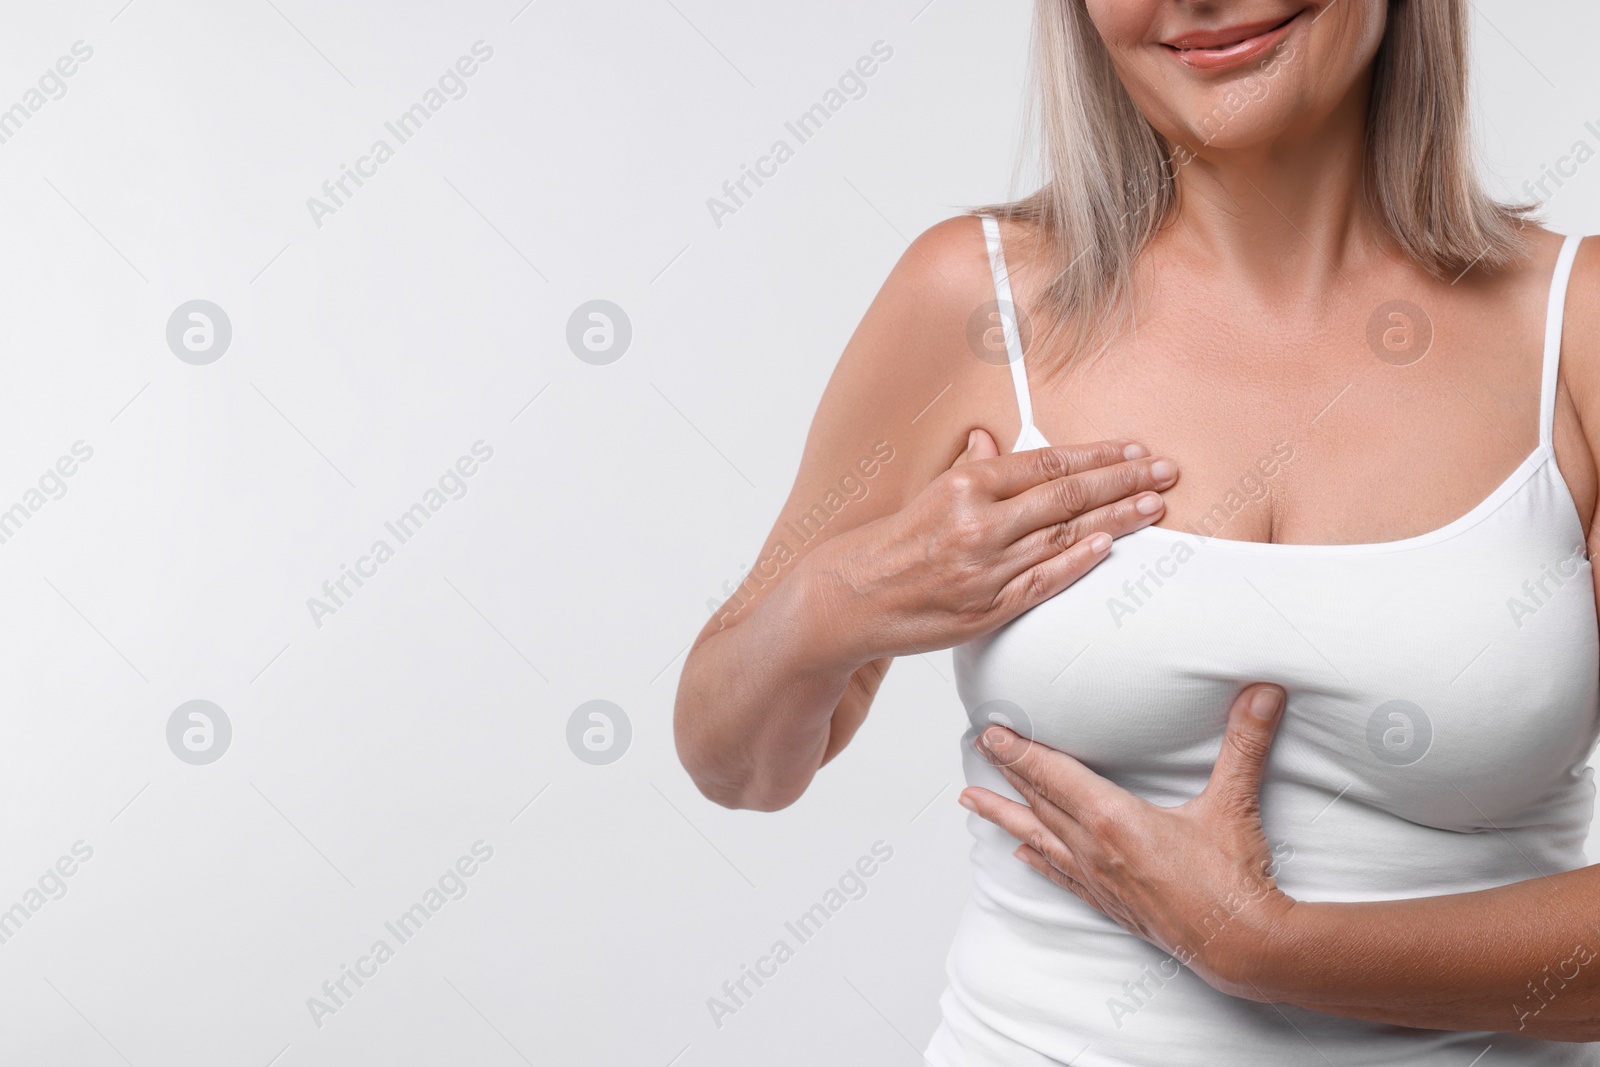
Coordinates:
x,y
1148,504
995,739
1265,704
1100,542
970,435
1135,451
1163,470
966,802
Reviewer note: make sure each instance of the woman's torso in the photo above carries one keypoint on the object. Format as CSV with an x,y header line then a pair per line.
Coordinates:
x,y
1442,703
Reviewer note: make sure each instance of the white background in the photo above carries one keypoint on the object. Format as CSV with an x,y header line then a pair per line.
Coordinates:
x,y
371,752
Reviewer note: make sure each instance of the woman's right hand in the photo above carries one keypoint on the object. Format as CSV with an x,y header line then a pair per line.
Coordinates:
x,y
983,542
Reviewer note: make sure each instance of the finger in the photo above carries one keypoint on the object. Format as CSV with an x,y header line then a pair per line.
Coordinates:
x,y
1036,859
980,445
1018,820
1017,472
1118,518
1060,822
1079,837
1045,579
1062,780
1064,499
1070,877
1076,838
1252,722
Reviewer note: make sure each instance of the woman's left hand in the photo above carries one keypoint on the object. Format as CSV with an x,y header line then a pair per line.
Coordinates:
x,y
1195,880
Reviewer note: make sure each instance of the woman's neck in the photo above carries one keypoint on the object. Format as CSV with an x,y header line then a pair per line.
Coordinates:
x,y
1291,216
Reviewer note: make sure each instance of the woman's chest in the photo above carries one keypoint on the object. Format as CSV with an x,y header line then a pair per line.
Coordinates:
x,y
1465,665
1320,439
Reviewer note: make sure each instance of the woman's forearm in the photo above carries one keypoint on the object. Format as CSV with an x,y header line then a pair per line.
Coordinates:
x,y
1522,958
765,702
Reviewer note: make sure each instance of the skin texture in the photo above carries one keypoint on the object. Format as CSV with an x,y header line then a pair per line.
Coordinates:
x,y
1251,316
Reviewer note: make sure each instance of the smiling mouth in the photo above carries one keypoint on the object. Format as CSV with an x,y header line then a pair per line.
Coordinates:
x,y
1229,47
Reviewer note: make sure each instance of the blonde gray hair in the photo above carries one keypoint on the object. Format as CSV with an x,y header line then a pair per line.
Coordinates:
x,y
1110,179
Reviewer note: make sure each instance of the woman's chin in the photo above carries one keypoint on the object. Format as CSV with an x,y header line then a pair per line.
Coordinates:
x,y
1202,132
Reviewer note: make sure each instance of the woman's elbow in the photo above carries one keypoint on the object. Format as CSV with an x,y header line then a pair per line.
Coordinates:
x,y
726,781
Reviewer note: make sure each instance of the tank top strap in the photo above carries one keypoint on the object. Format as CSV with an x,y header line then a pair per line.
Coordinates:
x,y
1552,337
1006,312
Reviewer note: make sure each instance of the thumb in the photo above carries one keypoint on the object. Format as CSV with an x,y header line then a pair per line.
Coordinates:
x,y
1252,722
979,446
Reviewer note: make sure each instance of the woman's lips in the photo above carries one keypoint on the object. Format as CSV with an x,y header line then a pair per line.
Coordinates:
x,y
1214,51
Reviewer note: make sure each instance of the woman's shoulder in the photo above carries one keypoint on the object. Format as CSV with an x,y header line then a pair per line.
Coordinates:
x,y
946,279
957,257
1543,249
957,250
1580,333
941,279
1583,292
1580,360
1516,296
917,371
962,241
955,262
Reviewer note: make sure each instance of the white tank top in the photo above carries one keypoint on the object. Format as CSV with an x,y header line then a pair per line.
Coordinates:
x,y
1442,708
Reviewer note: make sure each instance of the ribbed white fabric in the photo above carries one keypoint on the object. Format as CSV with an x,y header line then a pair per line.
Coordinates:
x,y
1444,698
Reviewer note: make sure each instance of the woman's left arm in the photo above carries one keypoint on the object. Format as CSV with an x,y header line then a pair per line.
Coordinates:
x,y
1196,881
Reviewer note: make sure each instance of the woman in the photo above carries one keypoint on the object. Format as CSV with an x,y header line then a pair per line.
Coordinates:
x,y
1298,767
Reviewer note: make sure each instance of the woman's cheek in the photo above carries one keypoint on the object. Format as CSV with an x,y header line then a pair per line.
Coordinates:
x,y
1123,22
